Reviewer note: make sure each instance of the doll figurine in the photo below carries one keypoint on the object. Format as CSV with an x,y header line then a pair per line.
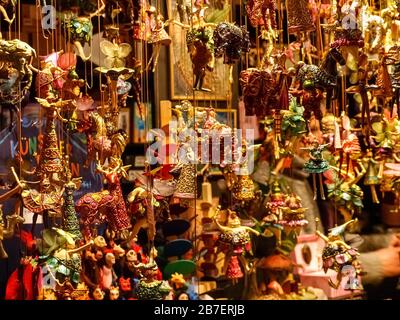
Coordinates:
x,y
114,293
316,165
107,273
198,41
159,37
384,88
98,294
292,214
362,89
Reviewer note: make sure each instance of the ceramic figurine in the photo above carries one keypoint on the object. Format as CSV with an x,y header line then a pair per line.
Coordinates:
x,y
107,273
148,288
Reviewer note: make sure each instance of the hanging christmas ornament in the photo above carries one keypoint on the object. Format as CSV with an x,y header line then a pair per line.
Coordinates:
x,y
115,53
371,176
292,214
275,204
16,70
299,17
199,43
107,205
314,80
258,89
316,165
339,256
70,220
80,29
230,41
237,238
262,13
187,182
159,37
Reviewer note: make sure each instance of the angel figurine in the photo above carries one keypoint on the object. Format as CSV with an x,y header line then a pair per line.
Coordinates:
x,y
316,165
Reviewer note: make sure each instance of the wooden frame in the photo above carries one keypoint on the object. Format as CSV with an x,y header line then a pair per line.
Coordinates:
x,y
181,79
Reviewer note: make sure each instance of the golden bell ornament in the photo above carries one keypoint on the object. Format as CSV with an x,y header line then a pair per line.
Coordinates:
x,y
186,185
243,190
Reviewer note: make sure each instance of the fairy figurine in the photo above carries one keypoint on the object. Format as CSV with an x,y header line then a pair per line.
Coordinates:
x,y
158,36
316,165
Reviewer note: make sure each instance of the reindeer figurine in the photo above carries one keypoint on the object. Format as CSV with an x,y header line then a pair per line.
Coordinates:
x,y
107,205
